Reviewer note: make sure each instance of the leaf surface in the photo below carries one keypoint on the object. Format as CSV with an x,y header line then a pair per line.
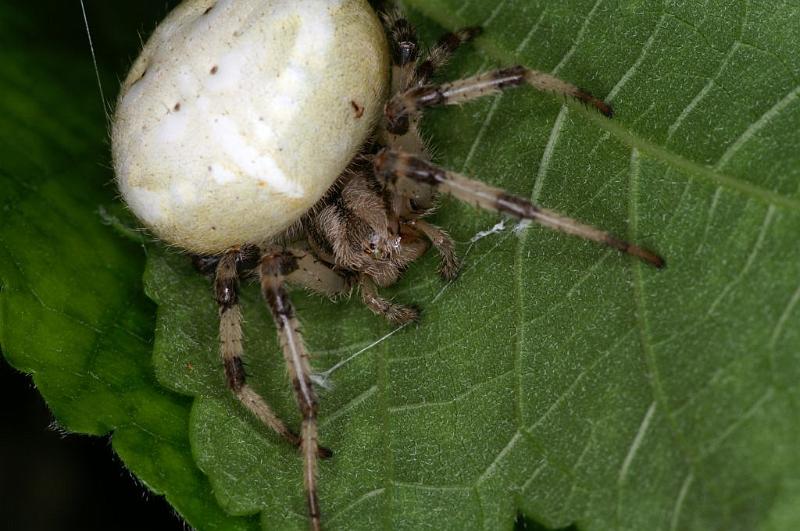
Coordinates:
x,y
554,377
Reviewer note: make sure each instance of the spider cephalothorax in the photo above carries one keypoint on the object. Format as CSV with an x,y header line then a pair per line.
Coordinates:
x,y
268,137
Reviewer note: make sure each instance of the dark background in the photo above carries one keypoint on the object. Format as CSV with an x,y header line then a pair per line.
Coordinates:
x,y
50,480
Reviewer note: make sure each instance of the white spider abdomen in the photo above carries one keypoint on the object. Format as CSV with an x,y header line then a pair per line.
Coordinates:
x,y
240,114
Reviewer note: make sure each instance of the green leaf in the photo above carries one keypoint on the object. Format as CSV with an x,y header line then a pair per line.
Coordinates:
x,y
555,378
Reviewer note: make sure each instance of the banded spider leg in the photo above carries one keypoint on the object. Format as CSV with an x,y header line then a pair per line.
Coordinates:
x,y
398,168
406,106
275,270
404,164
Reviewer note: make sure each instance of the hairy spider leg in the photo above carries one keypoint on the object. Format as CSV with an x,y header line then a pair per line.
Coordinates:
x,y
404,106
449,264
315,275
405,54
404,45
411,70
398,314
440,54
273,273
318,277
226,288
395,166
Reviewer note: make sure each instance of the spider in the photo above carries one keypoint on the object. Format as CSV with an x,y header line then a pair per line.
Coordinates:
x,y
281,139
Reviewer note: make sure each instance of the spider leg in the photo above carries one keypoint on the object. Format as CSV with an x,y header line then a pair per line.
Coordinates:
x,y
440,54
315,275
226,287
405,52
273,272
395,313
396,167
405,105
404,46
449,265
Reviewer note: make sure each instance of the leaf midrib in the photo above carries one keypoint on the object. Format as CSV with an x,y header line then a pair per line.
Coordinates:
x,y
643,324
655,151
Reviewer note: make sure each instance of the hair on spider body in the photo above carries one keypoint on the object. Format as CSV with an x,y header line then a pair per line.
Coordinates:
x,y
302,164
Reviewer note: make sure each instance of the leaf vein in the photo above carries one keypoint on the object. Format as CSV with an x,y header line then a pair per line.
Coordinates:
x,y
433,488
577,381
547,156
639,60
757,126
762,233
493,15
573,489
493,465
527,39
451,401
361,499
637,442
703,92
709,219
346,408
741,419
579,39
481,131
781,323
535,475
676,511
648,349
